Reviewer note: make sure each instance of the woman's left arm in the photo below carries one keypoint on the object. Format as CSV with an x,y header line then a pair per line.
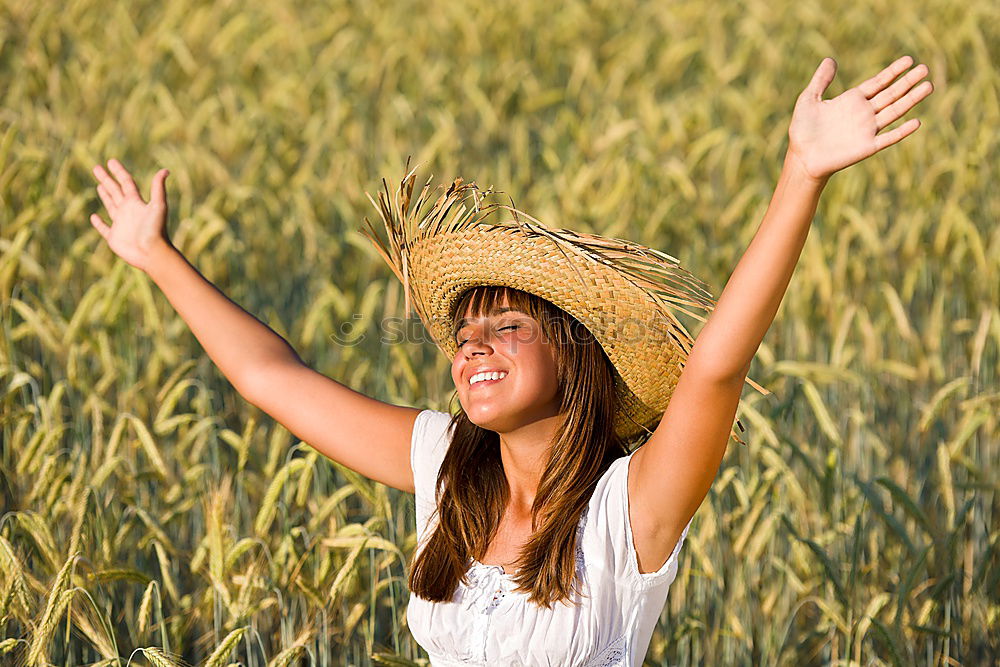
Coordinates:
x,y
672,472
825,136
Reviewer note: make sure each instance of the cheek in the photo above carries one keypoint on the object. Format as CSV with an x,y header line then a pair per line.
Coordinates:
x,y
553,374
543,369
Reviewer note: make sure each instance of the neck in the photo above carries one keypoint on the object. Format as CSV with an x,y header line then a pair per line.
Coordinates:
x,y
524,453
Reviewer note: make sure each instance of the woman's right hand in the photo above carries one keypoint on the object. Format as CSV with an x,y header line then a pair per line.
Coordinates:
x,y
139,229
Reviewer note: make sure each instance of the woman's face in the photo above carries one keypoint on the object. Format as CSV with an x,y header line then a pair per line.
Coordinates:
x,y
512,343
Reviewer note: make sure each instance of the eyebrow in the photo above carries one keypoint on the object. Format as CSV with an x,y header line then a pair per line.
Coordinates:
x,y
462,322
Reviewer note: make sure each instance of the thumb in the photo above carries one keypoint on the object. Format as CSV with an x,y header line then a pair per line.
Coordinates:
x,y
102,228
821,78
156,190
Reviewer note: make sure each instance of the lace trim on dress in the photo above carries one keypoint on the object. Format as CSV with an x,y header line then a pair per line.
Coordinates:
x,y
612,656
489,584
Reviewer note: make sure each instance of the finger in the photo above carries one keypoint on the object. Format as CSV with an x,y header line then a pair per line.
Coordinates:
x,y
822,77
894,92
110,185
99,225
156,190
885,77
106,199
893,136
894,111
125,178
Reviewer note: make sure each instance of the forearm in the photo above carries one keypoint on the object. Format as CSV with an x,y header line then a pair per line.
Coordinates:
x,y
747,306
235,340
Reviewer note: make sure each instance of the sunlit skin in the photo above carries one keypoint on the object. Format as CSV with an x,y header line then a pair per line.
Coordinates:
x,y
670,474
523,408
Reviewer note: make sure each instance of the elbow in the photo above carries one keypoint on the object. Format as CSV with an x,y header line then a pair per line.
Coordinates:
x,y
715,367
724,375
246,387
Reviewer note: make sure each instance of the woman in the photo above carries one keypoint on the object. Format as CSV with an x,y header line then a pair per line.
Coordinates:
x,y
536,497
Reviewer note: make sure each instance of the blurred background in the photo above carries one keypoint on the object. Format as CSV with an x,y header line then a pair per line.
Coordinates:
x,y
148,512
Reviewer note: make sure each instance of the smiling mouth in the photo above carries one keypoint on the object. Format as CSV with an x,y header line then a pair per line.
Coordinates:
x,y
486,382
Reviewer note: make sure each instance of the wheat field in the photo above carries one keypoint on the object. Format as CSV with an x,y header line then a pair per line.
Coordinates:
x,y
150,515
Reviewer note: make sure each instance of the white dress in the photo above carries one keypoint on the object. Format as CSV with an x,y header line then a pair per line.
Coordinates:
x,y
488,623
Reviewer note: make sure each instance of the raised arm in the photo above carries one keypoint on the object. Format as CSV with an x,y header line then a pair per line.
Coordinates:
x,y
671,474
362,433
234,339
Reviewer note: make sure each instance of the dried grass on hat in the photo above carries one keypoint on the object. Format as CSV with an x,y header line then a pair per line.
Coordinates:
x,y
623,292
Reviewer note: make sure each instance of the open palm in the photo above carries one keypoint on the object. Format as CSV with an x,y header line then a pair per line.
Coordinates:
x,y
138,228
827,135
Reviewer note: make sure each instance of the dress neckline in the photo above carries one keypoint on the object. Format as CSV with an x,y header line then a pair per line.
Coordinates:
x,y
579,550
476,563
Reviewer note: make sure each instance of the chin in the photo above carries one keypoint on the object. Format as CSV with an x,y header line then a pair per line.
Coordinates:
x,y
488,418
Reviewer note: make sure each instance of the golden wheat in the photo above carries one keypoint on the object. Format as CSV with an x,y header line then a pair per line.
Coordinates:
x,y
58,598
858,526
285,658
159,658
222,651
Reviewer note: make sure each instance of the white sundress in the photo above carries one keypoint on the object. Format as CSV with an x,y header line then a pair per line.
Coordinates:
x,y
488,623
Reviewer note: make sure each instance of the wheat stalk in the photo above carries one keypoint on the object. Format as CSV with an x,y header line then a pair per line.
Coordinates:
x,y
219,655
145,612
284,659
270,502
56,603
159,658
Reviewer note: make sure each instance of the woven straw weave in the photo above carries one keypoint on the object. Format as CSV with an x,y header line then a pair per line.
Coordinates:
x,y
621,291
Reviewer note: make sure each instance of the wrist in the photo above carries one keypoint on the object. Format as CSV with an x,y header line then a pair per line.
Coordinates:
x,y
794,170
158,257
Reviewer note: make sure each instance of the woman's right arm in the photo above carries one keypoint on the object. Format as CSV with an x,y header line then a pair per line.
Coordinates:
x,y
359,432
355,430
233,338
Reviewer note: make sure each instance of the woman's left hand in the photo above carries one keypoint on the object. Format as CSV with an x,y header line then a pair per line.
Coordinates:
x,y
827,135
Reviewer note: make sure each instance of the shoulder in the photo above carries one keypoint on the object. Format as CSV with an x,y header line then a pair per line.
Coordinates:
x,y
432,428
429,442
431,438
613,526
608,486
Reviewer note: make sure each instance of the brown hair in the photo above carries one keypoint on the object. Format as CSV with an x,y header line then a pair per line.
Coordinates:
x,y
472,490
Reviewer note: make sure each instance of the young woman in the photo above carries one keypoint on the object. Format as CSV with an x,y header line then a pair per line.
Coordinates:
x,y
547,535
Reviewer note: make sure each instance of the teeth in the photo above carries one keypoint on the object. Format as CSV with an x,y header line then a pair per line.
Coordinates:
x,y
486,376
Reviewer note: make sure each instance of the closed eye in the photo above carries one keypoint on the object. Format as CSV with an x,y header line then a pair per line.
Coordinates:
x,y
511,326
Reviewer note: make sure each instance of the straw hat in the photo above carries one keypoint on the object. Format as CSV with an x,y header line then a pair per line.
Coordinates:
x,y
621,291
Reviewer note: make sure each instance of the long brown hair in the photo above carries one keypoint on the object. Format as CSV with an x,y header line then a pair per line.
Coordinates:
x,y
472,489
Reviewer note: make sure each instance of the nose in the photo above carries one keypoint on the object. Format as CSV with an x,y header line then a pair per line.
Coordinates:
x,y
476,345
479,341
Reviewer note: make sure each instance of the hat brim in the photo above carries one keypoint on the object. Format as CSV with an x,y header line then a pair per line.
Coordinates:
x,y
621,291
646,346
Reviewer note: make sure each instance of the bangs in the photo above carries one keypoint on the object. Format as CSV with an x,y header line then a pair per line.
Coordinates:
x,y
487,301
